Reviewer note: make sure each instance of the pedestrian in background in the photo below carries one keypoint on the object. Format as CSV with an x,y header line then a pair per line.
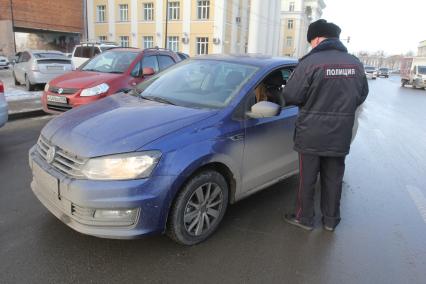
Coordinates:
x,y
328,85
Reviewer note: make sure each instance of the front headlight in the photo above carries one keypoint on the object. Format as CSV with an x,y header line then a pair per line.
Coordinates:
x,y
123,166
46,87
94,91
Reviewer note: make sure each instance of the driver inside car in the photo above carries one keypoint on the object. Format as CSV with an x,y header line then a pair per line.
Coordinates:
x,y
270,89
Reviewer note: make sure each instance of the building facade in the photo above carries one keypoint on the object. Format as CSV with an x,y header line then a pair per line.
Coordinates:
x,y
296,15
421,50
191,26
40,24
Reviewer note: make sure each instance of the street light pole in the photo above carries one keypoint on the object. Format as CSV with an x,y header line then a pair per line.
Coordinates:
x,y
13,25
167,23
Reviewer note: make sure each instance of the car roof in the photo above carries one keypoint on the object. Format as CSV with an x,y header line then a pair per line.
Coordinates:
x,y
45,51
251,59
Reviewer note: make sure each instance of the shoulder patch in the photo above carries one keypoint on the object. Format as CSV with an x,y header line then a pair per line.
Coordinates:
x,y
340,71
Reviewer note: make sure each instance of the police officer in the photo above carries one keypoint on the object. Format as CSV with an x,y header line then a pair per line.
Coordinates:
x,y
328,85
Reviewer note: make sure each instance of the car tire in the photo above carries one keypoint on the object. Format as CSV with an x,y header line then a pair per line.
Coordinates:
x,y
14,79
28,85
198,208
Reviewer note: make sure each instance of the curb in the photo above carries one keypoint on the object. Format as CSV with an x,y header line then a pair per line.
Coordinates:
x,y
26,114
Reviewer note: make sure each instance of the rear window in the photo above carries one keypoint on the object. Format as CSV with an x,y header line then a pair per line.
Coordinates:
x,y
49,55
86,51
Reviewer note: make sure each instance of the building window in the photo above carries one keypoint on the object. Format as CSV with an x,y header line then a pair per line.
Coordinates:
x,y
289,41
148,11
203,10
102,38
291,7
148,42
290,24
173,43
124,12
100,13
124,41
174,10
202,45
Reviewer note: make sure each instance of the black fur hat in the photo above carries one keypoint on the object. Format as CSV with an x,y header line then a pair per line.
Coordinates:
x,y
322,28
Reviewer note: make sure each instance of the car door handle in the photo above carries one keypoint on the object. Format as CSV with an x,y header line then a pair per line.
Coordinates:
x,y
237,137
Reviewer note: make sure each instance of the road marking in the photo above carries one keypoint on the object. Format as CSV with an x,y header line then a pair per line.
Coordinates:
x,y
419,200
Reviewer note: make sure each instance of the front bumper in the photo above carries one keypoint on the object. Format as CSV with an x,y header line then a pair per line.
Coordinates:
x,y
73,100
150,196
3,114
371,75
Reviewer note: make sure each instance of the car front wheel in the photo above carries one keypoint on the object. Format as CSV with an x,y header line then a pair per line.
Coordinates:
x,y
198,209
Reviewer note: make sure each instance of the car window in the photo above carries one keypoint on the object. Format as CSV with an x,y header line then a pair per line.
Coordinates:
x,y
77,52
111,62
87,51
26,57
150,61
165,61
192,83
136,72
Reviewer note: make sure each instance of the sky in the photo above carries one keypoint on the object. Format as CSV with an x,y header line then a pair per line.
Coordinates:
x,y
395,27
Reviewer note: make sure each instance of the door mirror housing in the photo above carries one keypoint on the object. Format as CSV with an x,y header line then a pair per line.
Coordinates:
x,y
264,109
148,71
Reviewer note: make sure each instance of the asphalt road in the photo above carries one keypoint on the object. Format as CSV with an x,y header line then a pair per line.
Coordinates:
x,y
382,237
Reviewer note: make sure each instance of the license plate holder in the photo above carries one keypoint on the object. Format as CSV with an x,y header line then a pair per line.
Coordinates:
x,y
57,99
49,185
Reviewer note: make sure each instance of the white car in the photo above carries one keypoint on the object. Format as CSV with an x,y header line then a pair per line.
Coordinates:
x,y
4,63
370,72
3,106
87,50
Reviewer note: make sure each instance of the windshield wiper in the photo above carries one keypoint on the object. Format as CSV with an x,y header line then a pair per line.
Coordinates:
x,y
157,99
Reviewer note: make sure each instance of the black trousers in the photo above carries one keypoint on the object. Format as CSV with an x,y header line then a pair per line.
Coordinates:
x,y
331,170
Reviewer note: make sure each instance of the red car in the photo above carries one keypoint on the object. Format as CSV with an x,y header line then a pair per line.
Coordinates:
x,y
113,71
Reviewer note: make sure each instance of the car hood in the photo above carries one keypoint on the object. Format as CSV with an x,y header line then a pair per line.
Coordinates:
x,y
118,124
83,79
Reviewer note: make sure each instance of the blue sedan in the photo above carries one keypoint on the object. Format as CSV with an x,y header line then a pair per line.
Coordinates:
x,y
171,155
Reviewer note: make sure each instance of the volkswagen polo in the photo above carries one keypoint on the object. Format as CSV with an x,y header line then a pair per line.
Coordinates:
x,y
170,157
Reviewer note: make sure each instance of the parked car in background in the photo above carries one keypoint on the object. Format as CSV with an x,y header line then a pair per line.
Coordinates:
x,y
86,50
413,72
174,154
4,62
34,67
116,70
371,72
3,106
383,72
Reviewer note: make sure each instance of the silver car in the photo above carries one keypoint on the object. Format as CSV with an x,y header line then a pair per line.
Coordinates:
x,y
4,63
39,67
3,106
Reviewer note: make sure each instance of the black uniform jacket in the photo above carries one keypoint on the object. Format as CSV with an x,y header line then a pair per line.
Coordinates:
x,y
328,85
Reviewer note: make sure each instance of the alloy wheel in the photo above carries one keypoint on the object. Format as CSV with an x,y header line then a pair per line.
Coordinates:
x,y
203,209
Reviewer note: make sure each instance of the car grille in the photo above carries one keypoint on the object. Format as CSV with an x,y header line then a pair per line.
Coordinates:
x,y
65,91
59,107
63,161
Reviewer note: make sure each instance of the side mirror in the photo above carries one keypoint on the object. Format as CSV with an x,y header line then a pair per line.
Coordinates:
x,y
264,109
148,71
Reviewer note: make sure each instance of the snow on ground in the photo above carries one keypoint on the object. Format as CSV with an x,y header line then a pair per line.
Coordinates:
x,y
16,93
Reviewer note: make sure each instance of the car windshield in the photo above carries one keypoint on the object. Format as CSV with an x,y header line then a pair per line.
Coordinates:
x,y
111,62
384,69
369,68
422,70
197,83
49,55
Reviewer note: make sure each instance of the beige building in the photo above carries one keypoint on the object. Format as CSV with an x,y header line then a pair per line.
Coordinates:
x,y
193,26
421,51
296,15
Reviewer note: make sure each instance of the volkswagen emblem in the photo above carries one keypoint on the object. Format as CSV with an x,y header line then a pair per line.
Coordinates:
x,y
60,90
50,155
